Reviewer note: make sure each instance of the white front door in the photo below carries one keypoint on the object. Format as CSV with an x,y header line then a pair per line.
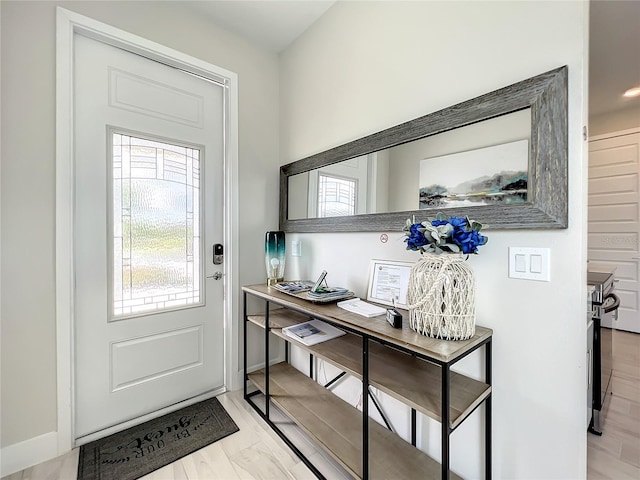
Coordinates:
x,y
149,328
614,222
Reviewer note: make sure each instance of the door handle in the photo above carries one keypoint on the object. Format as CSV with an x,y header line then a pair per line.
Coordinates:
x,y
215,276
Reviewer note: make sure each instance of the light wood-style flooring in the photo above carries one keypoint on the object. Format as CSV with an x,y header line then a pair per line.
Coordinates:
x,y
616,454
256,452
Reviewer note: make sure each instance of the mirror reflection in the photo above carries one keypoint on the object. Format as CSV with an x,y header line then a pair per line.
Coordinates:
x,y
480,164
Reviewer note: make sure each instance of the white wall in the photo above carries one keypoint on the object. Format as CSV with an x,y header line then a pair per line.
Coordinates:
x,y
366,66
615,121
28,377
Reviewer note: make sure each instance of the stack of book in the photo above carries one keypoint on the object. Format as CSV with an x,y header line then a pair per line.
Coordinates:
x,y
312,332
362,308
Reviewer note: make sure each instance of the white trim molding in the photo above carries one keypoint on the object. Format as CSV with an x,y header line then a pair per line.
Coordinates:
x,y
70,24
21,455
618,133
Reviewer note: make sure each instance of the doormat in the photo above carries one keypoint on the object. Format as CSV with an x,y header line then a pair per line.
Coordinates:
x,y
139,450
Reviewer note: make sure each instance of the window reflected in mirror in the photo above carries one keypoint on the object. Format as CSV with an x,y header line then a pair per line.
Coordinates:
x,y
336,196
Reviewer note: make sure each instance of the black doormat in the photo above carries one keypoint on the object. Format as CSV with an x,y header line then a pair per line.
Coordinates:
x,y
139,450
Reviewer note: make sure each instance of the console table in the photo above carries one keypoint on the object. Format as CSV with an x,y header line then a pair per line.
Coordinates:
x,y
410,367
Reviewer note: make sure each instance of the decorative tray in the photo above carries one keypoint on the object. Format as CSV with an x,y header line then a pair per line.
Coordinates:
x,y
301,290
327,299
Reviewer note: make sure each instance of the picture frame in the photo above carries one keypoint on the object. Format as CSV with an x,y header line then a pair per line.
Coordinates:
x,y
389,280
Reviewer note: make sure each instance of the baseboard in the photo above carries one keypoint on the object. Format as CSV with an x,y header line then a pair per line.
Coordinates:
x,y
26,454
260,365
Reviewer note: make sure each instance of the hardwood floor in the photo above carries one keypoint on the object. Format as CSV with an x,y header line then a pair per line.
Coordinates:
x,y
256,452
616,454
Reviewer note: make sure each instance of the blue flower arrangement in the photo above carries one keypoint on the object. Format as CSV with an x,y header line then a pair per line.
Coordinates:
x,y
444,235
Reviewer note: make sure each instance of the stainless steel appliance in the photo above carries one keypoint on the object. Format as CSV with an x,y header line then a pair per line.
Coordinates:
x,y
605,304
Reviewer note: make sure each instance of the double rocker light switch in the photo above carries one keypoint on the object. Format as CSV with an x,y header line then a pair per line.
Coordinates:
x,y
529,263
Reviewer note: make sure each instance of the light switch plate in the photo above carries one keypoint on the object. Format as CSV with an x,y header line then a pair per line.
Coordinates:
x,y
529,263
296,248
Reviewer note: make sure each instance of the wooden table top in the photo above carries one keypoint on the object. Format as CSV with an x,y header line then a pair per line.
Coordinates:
x,y
446,351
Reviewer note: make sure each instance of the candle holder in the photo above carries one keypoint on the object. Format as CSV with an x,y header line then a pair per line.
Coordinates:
x,y
274,256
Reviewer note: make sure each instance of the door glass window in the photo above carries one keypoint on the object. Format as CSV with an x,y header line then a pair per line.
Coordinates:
x,y
336,196
155,225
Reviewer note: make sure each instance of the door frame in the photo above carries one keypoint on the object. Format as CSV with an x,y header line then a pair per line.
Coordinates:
x,y
68,24
611,135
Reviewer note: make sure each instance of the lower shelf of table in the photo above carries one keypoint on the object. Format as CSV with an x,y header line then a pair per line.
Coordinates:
x,y
414,382
336,426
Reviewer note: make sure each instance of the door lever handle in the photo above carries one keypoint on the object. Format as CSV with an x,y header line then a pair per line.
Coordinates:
x,y
215,276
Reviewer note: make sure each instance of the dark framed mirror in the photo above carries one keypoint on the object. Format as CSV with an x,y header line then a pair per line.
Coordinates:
x,y
500,159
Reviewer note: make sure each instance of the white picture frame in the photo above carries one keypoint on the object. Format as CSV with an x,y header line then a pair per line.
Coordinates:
x,y
389,279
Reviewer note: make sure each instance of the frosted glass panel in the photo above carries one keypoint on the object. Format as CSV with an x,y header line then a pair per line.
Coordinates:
x,y
336,196
156,226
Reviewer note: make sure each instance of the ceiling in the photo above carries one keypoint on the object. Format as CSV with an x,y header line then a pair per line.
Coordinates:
x,y
614,54
614,38
273,24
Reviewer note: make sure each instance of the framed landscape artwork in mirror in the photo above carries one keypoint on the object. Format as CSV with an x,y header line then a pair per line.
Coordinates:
x,y
500,159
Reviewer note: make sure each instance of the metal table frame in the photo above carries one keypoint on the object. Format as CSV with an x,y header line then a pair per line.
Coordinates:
x,y
366,338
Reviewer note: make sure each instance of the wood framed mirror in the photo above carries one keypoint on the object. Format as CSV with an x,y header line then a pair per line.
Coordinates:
x,y
528,120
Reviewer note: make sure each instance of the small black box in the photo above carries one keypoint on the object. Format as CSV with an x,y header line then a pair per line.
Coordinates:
x,y
394,318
